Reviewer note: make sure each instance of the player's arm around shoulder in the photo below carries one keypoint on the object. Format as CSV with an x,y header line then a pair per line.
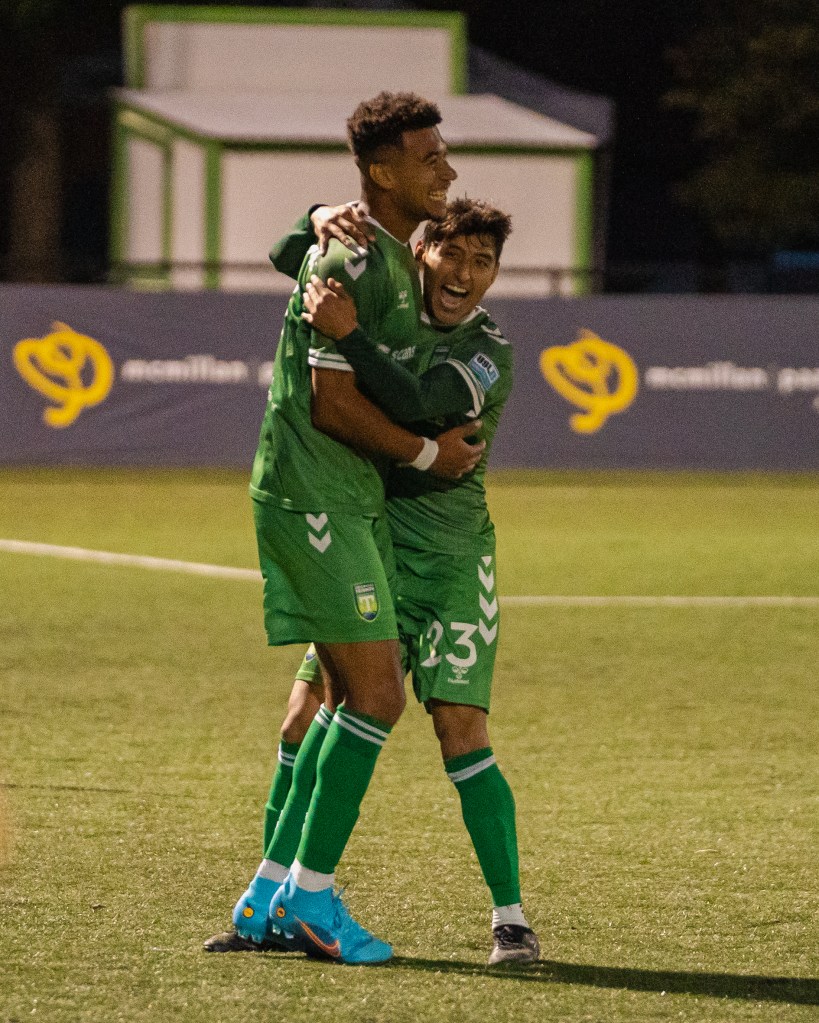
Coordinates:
x,y
315,229
484,359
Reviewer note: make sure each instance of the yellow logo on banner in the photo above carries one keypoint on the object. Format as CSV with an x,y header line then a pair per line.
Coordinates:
x,y
71,370
593,374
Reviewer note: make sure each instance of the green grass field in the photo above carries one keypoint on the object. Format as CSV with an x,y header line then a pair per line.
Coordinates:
x,y
664,761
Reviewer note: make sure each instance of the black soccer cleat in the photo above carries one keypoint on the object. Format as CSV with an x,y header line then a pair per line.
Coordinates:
x,y
514,944
230,941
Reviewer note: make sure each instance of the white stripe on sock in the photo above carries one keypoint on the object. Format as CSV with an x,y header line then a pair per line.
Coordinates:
x,y
323,716
351,725
472,770
288,759
379,733
357,731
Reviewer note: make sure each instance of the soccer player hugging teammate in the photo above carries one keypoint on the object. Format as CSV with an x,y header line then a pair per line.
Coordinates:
x,y
324,547
443,538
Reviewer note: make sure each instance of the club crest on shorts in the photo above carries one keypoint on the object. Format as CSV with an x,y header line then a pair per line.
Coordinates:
x,y
366,601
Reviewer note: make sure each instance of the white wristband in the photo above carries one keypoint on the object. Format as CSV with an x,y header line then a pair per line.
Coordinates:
x,y
426,456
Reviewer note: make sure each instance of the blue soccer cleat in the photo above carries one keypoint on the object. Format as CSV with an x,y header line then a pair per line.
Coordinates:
x,y
250,914
324,925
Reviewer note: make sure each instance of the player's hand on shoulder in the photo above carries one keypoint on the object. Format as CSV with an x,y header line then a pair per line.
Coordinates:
x,y
346,223
328,308
456,456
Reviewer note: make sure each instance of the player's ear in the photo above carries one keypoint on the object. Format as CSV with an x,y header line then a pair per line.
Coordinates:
x,y
381,174
420,249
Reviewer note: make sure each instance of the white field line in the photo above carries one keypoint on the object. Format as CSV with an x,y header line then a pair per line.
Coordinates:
x,y
134,560
251,574
660,601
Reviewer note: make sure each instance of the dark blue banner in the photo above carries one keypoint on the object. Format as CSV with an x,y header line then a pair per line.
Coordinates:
x,y
98,376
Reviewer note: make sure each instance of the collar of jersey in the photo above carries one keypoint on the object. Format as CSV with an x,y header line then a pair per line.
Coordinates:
x,y
381,227
439,326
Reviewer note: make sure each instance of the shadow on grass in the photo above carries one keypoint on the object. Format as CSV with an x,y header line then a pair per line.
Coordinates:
x,y
796,990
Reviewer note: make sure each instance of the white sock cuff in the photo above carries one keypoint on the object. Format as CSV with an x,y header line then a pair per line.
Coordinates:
x,y
323,716
503,915
472,770
310,880
272,871
363,729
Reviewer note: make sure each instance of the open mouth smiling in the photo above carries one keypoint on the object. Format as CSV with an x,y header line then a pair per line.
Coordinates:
x,y
452,296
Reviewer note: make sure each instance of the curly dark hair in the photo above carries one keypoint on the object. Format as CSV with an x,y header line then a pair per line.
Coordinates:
x,y
381,121
470,216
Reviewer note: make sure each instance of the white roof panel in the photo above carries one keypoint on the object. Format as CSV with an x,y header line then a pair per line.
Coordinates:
x,y
320,119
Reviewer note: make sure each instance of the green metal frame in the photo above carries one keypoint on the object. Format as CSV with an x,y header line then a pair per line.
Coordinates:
x,y
213,213
584,220
136,18
132,124
119,188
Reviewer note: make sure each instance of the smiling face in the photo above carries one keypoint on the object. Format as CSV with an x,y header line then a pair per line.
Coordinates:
x,y
414,178
457,273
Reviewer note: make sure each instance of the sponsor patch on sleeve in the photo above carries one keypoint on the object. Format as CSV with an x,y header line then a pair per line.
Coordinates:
x,y
484,369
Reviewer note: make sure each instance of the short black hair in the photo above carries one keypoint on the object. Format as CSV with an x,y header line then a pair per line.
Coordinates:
x,y
470,216
381,121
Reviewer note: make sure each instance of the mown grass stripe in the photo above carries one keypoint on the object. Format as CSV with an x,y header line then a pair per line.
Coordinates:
x,y
533,600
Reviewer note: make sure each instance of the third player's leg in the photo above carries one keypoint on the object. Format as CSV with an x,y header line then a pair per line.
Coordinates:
x,y
305,700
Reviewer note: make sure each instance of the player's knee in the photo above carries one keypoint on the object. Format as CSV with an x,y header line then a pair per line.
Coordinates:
x,y
396,706
459,729
294,729
391,706
385,704
301,710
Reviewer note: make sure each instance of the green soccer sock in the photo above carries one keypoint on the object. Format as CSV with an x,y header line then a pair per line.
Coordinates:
x,y
279,788
282,846
488,808
345,767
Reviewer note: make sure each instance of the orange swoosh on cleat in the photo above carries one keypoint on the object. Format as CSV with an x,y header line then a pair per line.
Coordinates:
x,y
333,950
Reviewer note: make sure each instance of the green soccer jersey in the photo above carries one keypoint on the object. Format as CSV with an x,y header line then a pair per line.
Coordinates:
x,y
428,513
297,466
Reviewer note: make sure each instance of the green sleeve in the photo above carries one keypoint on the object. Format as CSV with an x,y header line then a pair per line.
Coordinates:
x,y
365,278
362,276
406,398
288,253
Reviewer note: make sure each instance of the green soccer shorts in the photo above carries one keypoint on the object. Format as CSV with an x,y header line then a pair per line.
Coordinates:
x,y
448,619
326,576
310,668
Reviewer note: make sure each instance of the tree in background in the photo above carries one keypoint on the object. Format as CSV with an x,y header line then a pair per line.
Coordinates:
x,y
42,133
750,77
31,159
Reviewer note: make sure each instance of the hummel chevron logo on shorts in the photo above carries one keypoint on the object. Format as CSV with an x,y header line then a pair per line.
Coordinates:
x,y
489,603
317,524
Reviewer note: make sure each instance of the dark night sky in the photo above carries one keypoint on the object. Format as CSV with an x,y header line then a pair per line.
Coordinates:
x,y
618,50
